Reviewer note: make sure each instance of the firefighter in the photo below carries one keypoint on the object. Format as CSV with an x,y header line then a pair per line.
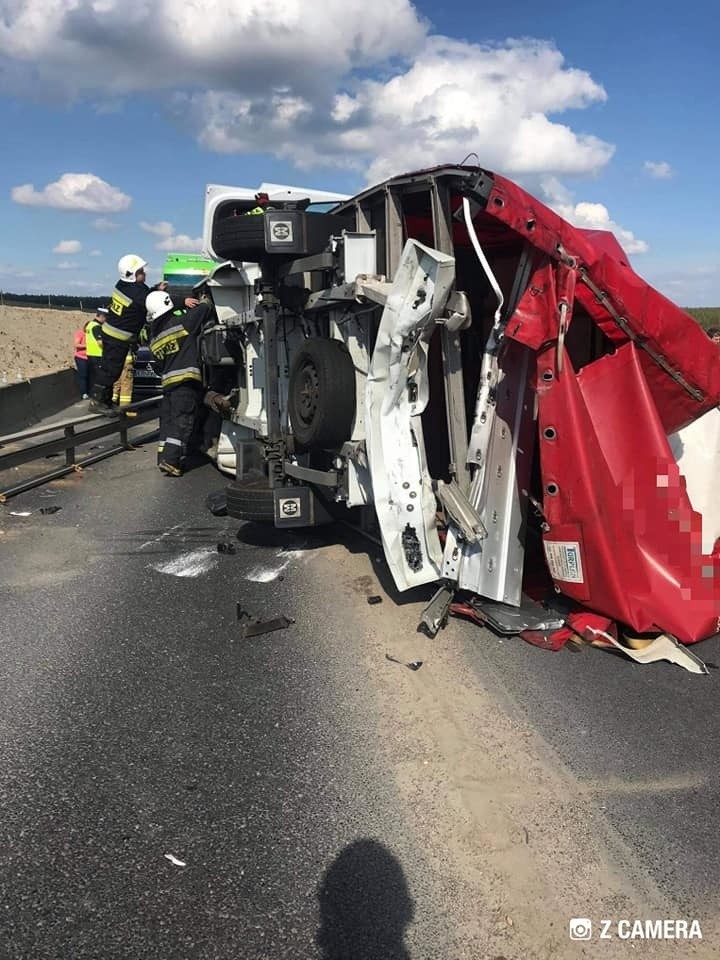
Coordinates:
x,y
174,336
121,328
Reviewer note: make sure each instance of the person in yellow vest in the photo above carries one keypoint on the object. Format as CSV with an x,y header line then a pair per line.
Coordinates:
x,y
93,343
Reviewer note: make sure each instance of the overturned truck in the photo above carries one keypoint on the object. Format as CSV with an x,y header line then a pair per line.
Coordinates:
x,y
533,427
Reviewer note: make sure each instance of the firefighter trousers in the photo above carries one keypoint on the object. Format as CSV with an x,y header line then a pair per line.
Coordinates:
x,y
123,388
113,360
178,410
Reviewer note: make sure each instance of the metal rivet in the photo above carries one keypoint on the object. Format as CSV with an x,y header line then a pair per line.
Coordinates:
x,y
410,508
547,375
549,433
406,486
413,494
552,489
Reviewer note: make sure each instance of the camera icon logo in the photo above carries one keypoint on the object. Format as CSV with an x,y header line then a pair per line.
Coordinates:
x,y
580,928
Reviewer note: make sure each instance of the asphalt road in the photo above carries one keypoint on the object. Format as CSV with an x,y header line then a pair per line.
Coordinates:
x,y
171,790
136,725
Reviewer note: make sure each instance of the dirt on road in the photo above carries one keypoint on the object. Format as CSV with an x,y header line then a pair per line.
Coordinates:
x,y
34,341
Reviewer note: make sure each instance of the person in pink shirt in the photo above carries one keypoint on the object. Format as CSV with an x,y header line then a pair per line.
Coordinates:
x,y
82,368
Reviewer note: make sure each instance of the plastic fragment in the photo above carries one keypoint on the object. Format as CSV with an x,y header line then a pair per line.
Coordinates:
x,y
253,627
174,860
374,600
52,509
217,503
225,547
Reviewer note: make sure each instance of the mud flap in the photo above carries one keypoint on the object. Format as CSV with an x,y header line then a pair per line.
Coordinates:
x,y
397,394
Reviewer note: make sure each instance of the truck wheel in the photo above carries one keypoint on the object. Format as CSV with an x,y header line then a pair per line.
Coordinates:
x,y
240,238
251,500
321,394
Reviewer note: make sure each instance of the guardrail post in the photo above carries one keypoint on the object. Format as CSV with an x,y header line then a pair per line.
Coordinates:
x,y
70,451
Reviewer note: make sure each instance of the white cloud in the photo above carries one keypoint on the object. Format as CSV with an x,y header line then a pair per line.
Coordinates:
x,y
105,225
114,48
659,170
171,240
362,84
74,191
182,243
67,265
454,98
589,216
161,229
95,253
68,246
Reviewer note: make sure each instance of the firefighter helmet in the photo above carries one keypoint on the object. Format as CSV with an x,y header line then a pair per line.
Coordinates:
x,y
157,303
129,265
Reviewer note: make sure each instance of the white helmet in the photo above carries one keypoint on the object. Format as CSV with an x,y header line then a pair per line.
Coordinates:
x,y
157,303
129,265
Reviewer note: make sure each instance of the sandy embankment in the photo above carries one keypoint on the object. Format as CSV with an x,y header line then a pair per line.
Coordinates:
x,y
36,340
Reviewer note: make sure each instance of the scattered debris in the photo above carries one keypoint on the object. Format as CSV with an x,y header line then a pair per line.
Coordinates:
x,y
412,665
53,509
251,626
20,513
174,860
225,547
374,600
217,503
49,493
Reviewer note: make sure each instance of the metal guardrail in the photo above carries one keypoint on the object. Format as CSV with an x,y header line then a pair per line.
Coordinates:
x,y
22,452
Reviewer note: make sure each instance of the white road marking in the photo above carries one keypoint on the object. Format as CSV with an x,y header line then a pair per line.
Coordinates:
x,y
268,574
178,526
193,564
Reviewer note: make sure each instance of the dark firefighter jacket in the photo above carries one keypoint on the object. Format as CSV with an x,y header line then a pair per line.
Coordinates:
x,y
126,314
174,342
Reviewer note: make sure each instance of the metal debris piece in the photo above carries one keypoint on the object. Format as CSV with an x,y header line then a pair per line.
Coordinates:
x,y
253,627
511,621
412,665
217,503
226,547
174,860
53,509
435,614
374,600
19,513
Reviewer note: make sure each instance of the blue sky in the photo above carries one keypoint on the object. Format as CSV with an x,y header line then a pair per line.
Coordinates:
x,y
605,111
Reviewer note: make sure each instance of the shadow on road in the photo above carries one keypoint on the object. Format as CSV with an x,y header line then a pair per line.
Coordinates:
x,y
365,905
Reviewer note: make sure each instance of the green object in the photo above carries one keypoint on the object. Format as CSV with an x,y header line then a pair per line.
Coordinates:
x,y
186,269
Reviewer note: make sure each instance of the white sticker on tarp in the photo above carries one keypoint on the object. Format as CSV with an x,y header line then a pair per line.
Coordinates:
x,y
563,559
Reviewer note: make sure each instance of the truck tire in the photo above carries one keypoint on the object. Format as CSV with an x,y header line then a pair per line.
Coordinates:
x,y
240,238
251,500
321,394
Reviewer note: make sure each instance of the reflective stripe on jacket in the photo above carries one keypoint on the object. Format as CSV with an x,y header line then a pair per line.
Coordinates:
x,y
174,342
127,310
